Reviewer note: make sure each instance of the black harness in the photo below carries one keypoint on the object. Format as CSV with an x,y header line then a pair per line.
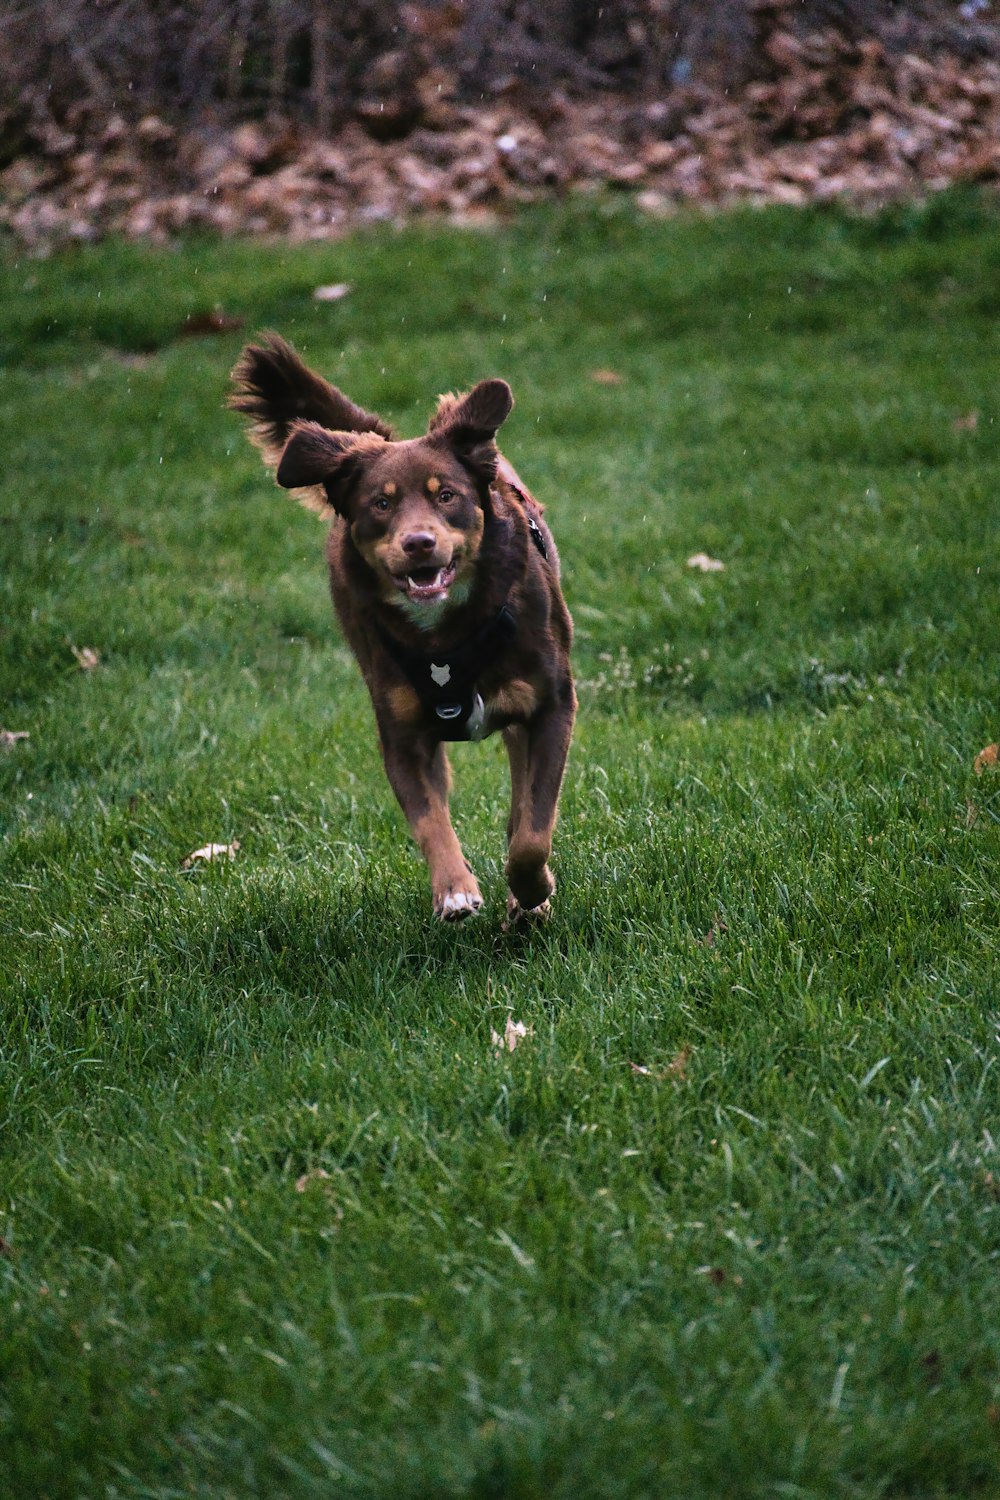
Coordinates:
x,y
446,684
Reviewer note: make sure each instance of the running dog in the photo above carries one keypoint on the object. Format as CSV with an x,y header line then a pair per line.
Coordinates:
x,y
445,579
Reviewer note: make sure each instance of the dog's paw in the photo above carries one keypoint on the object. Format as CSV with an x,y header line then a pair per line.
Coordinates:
x,y
457,903
521,919
531,882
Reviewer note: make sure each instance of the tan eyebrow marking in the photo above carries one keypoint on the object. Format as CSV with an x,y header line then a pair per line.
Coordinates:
x,y
433,484
390,487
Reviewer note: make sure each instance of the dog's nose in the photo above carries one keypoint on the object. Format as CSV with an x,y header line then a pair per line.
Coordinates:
x,y
419,544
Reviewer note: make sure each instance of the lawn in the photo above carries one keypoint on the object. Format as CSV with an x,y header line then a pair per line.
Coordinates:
x,y
277,1217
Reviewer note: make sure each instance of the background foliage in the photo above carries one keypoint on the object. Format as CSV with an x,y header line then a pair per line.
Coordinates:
x,y
321,60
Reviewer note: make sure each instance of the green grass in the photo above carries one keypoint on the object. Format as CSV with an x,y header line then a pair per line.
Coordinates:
x,y
542,1274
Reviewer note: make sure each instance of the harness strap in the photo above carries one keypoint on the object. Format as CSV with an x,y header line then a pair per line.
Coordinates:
x,y
533,526
446,684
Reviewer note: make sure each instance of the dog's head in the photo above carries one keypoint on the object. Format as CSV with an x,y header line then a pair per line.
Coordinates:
x,y
416,509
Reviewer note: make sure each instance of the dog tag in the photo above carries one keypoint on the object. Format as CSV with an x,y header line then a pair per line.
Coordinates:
x,y
441,675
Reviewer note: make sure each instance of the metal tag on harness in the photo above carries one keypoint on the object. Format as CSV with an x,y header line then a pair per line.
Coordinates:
x,y
474,725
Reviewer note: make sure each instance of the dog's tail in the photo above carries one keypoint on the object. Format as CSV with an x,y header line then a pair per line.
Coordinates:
x,y
275,390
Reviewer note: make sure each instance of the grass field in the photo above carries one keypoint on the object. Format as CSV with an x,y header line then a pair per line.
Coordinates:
x,y
277,1218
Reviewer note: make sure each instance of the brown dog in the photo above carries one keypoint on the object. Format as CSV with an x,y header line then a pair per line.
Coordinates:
x,y
446,582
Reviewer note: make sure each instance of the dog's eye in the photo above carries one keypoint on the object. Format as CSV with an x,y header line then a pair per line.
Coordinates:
x,y
445,495
381,503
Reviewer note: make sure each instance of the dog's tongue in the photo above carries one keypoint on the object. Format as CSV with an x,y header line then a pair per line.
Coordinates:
x,y
427,583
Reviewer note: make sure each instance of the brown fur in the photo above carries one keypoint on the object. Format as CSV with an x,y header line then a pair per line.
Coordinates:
x,y
431,539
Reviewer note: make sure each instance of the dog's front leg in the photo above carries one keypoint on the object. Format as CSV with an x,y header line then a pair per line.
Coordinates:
x,y
418,771
537,753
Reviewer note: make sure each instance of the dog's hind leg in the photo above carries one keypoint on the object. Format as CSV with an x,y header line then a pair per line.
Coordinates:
x,y
537,754
418,772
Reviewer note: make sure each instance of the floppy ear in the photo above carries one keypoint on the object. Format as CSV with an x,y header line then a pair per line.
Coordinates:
x,y
314,456
275,390
469,425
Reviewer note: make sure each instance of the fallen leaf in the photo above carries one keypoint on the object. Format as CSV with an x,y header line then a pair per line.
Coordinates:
x,y
971,814
986,758
6,1248
990,1185
706,564
607,377
332,293
216,321
307,1178
514,1032
208,852
716,1275
677,1067
718,929
967,423
86,657
10,737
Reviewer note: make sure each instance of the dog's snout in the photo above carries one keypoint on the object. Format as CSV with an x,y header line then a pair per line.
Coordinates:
x,y
419,544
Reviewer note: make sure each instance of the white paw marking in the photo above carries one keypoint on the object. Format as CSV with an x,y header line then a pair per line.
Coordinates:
x,y
459,904
522,917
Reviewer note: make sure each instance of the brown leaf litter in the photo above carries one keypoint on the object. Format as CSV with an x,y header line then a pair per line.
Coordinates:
x,y
838,118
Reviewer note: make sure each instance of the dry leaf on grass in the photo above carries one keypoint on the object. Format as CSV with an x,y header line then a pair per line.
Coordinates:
x,y
86,657
208,852
718,929
6,1248
307,1178
705,564
986,759
216,321
607,377
990,1185
317,1178
332,293
968,423
10,737
676,1068
514,1032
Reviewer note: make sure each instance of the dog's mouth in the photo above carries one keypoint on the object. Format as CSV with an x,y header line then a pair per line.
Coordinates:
x,y
426,582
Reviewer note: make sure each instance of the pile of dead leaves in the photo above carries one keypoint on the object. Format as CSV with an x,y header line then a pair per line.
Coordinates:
x,y
838,119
